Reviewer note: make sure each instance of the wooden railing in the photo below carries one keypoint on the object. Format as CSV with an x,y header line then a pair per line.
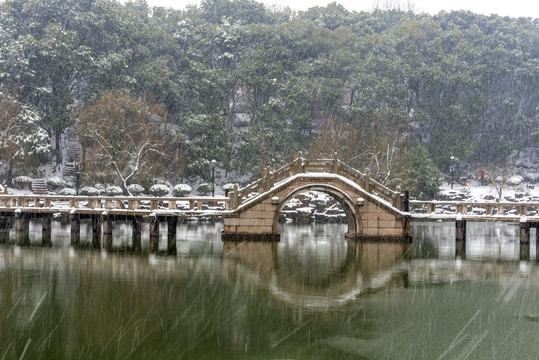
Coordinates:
x,y
473,208
301,165
112,203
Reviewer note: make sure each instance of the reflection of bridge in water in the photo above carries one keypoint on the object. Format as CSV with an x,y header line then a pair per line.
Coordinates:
x,y
367,267
363,268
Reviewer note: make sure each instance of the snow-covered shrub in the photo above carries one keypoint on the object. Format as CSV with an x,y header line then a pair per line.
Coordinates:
x,y
101,188
159,190
114,191
135,189
56,182
515,180
21,182
181,190
204,189
531,177
68,192
89,191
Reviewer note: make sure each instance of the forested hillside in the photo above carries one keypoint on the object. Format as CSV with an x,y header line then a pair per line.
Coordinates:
x,y
391,91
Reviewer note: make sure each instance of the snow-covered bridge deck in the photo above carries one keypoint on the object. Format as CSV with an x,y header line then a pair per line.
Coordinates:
x,y
143,206
474,211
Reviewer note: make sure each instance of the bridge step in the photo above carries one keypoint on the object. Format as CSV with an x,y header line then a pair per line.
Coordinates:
x,y
39,187
73,153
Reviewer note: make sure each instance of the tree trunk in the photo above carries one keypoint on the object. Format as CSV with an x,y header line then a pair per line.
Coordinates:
x,y
83,160
57,137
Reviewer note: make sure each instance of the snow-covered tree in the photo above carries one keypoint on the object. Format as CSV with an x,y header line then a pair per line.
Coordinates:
x,y
21,136
123,133
14,67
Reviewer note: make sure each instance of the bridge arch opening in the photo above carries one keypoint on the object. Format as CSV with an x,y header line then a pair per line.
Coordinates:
x,y
353,219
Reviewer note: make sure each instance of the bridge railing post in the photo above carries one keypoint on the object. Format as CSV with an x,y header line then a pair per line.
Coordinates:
x,y
133,204
268,179
335,164
366,184
118,204
234,198
299,166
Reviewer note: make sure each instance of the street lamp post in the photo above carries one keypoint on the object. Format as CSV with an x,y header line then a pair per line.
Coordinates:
x,y
77,178
452,169
212,165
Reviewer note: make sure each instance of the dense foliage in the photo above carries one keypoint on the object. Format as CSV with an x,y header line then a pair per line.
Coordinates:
x,y
249,86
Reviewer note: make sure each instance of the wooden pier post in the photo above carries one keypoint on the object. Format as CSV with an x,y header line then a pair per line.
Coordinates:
x,y
75,229
171,235
524,239
536,226
154,233
46,231
22,227
460,237
5,227
96,232
136,224
460,227
107,231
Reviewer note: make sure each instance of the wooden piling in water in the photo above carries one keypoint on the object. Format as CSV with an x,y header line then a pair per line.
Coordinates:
x,y
171,235
460,227
75,229
96,231
460,238
5,227
22,227
136,240
524,239
460,249
107,231
154,234
46,231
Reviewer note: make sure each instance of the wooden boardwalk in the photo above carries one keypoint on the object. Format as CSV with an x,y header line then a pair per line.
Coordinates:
x,y
96,205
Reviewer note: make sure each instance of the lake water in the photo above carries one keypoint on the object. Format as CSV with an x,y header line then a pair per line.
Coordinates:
x,y
312,296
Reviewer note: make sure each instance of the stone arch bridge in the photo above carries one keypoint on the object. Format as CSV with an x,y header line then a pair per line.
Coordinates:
x,y
373,211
